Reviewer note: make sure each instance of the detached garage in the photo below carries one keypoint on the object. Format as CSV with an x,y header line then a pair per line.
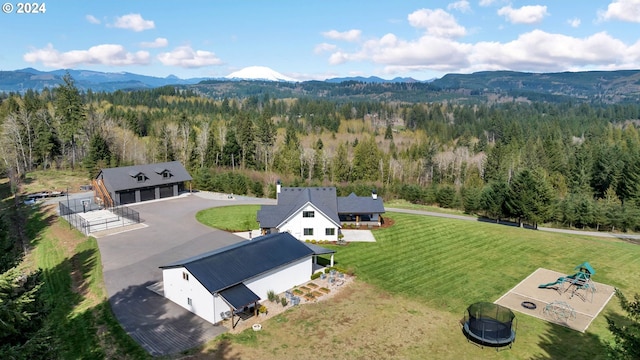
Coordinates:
x,y
132,184
237,276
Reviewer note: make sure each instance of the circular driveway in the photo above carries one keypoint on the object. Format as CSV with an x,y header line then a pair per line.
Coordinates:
x,y
131,262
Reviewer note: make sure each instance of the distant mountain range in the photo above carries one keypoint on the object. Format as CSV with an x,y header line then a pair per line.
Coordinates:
x,y
591,86
29,78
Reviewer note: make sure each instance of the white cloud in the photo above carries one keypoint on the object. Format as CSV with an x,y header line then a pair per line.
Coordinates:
x,y
624,10
575,22
436,22
486,2
462,6
536,51
105,54
134,22
541,51
428,51
324,47
92,19
186,57
157,43
529,14
350,35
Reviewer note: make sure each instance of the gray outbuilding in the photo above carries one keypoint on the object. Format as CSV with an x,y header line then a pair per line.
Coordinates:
x,y
132,184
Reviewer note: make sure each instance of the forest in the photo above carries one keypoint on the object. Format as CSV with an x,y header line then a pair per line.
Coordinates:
x,y
563,163
566,163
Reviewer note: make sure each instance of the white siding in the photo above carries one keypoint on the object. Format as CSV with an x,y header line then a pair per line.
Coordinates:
x,y
209,307
319,223
281,279
203,303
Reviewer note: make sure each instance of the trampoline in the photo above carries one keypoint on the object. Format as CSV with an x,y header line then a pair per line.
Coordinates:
x,y
489,324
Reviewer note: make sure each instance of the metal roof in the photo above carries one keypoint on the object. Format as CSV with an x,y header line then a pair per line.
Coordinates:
x,y
231,265
319,250
354,204
324,199
239,296
292,199
125,177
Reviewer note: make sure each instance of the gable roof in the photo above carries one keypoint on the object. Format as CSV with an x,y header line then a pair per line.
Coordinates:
x,y
354,204
231,265
125,177
292,199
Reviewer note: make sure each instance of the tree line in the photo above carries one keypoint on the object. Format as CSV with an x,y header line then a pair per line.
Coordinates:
x,y
574,164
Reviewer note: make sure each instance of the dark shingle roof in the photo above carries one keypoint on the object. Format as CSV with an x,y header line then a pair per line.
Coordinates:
x,y
233,264
124,178
354,204
292,199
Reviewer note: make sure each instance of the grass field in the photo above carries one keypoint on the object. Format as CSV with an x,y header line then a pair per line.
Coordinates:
x,y
80,322
232,218
434,268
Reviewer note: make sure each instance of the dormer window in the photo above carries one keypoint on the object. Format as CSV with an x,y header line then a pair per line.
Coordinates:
x,y
166,175
140,178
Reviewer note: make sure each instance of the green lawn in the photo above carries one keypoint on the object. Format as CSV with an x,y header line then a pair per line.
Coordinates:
x,y
80,321
230,218
449,264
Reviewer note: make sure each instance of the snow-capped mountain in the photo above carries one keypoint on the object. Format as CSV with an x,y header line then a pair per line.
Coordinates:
x,y
259,73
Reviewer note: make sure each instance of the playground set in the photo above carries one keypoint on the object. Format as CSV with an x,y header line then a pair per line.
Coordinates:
x,y
579,283
573,300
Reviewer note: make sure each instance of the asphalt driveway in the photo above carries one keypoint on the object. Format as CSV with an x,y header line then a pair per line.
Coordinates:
x,y
131,262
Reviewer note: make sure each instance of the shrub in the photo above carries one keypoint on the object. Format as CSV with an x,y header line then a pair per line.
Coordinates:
x,y
262,309
276,299
313,241
315,275
271,295
283,301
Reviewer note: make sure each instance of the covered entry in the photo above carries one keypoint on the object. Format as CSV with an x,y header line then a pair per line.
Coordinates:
x,y
239,297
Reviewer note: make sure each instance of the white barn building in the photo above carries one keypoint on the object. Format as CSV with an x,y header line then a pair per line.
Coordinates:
x,y
238,276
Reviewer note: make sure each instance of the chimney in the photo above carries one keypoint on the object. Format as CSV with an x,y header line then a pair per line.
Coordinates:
x,y
278,188
374,195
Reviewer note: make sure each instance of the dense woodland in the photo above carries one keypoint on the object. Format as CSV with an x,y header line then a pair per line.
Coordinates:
x,y
571,164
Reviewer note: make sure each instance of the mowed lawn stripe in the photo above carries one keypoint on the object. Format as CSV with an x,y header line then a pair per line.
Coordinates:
x,y
454,262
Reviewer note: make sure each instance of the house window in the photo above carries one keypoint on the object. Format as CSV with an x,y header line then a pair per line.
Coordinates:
x,y
140,178
166,175
308,214
189,301
330,231
185,275
308,231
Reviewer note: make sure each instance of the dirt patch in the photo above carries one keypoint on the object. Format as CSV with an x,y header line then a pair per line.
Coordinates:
x,y
575,310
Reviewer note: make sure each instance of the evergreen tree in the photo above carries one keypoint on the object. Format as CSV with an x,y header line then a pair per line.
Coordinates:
x,y
366,161
99,155
231,151
388,133
212,149
626,332
245,137
340,165
71,112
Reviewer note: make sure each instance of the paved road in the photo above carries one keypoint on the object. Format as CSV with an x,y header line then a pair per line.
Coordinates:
x,y
131,262
540,228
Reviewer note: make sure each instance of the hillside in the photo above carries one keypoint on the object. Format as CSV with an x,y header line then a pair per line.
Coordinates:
x,y
606,87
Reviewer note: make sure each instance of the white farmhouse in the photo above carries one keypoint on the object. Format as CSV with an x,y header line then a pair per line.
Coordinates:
x,y
231,278
317,213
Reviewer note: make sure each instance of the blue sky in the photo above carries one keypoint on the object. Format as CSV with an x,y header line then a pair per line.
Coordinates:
x,y
323,39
